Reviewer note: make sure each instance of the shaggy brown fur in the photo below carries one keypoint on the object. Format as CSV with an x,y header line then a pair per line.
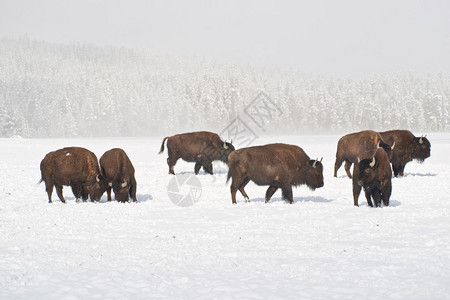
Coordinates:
x,y
407,147
373,173
276,165
353,144
72,166
118,171
201,147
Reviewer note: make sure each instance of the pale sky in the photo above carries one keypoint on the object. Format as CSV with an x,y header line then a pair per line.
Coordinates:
x,y
341,37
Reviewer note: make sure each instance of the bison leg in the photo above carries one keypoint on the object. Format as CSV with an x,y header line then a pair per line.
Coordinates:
x,y
401,169
236,184
108,192
347,166
386,194
77,192
60,193
207,167
133,192
241,189
376,195
356,192
270,191
233,194
85,194
49,189
368,195
337,164
396,169
287,193
197,167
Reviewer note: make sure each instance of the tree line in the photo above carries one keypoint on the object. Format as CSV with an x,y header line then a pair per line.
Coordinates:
x,y
60,90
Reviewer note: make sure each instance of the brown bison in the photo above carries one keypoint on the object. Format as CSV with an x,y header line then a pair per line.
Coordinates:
x,y
201,147
75,167
276,165
407,148
353,144
373,173
118,172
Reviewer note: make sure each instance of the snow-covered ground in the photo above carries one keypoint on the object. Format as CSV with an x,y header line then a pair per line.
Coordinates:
x,y
321,247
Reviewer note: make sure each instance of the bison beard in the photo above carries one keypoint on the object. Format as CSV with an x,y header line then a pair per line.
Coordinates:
x,y
276,165
373,173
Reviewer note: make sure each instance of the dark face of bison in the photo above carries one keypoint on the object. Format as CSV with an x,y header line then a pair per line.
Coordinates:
x,y
97,189
314,174
367,171
121,190
225,151
422,149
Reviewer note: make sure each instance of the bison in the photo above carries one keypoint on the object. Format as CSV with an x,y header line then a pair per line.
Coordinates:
x,y
353,144
75,167
201,147
276,165
118,172
373,173
407,148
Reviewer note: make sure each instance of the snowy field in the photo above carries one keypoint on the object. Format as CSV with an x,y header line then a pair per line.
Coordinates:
x,y
321,247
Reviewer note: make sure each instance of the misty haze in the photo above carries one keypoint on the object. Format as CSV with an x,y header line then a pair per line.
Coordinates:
x,y
133,75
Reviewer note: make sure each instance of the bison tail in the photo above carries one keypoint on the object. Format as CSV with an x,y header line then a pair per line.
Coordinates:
x,y
228,175
162,145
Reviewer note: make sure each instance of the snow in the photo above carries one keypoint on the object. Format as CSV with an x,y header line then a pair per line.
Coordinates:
x,y
320,247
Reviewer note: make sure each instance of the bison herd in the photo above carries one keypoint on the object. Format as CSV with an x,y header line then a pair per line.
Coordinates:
x,y
278,166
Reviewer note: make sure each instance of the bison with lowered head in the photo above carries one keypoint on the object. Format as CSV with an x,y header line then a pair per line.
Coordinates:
x,y
353,144
279,166
373,173
75,167
407,148
118,172
201,147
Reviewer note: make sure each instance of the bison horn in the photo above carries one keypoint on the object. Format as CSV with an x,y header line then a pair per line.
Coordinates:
x,y
225,145
321,159
378,145
421,140
124,183
372,163
359,160
393,145
314,164
110,184
97,178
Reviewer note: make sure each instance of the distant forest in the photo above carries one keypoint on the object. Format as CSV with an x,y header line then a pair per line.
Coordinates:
x,y
56,90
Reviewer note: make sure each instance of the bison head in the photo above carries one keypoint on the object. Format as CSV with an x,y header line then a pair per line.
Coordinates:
x,y
422,148
98,188
366,171
121,189
314,174
227,148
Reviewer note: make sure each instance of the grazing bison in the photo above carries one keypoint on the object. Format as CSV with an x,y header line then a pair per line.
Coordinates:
x,y
407,148
75,167
373,173
276,165
118,171
353,144
201,147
